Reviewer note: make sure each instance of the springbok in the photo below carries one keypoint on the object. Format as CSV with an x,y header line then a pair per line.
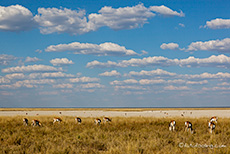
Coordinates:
x,y
25,121
78,120
55,119
36,123
97,121
172,125
211,126
188,127
214,119
106,119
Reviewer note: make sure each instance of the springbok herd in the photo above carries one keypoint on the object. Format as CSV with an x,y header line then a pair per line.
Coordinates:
x,y
78,120
172,125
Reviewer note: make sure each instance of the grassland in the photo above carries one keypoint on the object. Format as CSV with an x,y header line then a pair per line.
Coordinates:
x,y
124,135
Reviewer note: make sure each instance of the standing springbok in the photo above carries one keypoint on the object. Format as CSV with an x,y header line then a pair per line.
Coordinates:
x,y
97,121
211,126
78,120
214,119
106,119
25,121
55,119
36,123
172,125
188,127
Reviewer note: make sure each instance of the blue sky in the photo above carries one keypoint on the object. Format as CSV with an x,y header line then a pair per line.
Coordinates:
x,y
119,53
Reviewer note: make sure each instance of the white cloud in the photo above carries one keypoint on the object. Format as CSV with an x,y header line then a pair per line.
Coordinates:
x,y
219,75
224,84
166,11
64,85
197,82
61,61
216,89
50,75
110,74
128,81
121,18
31,68
75,22
53,20
33,82
176,88
92,85
212,61
171,46
32,59
104,49
212,45
15,18
218,23
117,88
15,76
84,79
157,72
6,59
182,25
150,82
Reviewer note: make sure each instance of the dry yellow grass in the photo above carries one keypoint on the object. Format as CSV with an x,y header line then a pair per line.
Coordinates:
x,y
124,135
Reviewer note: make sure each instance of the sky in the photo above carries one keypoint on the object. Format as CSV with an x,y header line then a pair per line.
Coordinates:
x,y
87,53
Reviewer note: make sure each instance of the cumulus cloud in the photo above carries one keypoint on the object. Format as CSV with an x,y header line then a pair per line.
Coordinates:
x,y
219,75
212,61
6,59
166,11
104,49
152,81
91,85
15,18
216,88
212,45
218,23
15,76
182,25
121,18
75,22
61,61
171,46
50,75
33,82
31,68
84,79
128,81
64,85
110,74
197,82
32,59
152,73
176,88
64,20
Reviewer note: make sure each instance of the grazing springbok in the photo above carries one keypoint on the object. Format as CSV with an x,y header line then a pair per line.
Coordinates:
x,y
106,119
97,121
78,120
25,121
36,123
172,125
188,127
211,126
55,119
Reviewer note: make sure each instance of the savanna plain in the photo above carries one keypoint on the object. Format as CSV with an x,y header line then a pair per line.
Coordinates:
x,y
124,135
